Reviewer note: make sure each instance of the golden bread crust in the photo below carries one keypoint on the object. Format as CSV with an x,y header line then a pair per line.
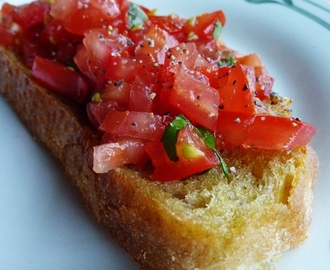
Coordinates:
x,y
206,222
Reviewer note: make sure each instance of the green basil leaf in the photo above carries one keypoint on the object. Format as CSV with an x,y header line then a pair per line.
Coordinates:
x,y
227,62
217,30
136,16
223,165
170,136
209,140
207,137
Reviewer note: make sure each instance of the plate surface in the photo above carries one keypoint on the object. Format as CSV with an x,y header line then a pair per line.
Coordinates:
x,y
44,226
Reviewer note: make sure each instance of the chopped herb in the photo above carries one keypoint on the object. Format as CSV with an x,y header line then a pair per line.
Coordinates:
x,y
209,140
170,136
136,17
229,61
217,30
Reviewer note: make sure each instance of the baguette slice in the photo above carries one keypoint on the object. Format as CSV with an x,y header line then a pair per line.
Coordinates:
x,y
205,222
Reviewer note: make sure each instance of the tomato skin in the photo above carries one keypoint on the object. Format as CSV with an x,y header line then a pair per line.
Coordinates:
x,y
144,89
194,98
111,155
172,24
143,78
263,131
8,37
155,44
71,83
97,111
203,25
134,124
263,82
167,170
79,16
99,51
286,133
27,15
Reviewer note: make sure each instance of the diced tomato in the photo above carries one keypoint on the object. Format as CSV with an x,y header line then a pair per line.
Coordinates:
x,y
193,97
236,92
194,157
278,133
97,111
172,24
144,75
232,127
202,26
122,68
60,79
144,89
155,44
100,47
185,53
27,15
263,82
78,16
115,154
134,124
263,131
8,37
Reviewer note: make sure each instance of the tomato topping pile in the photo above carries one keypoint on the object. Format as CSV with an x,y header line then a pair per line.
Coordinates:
x,y
160,88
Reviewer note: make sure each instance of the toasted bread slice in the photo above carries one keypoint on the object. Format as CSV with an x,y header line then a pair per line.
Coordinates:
x,y
204,222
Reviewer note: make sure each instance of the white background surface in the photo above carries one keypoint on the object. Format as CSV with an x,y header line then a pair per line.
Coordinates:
x,y
44,226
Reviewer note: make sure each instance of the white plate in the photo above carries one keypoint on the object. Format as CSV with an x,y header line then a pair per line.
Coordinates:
x,y
43,225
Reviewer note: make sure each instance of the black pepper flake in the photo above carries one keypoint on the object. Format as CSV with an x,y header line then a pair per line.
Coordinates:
x,y
198,97
234,82
245,87
134,124
171,86
221,107
257,104
118,83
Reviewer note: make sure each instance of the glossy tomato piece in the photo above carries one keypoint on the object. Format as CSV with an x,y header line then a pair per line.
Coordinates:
x,y
111,155
263,82
121,68
235,89
187,54
97,111
144,90
61,44
194,98
70,84
263,131
99,48
8,37
78,16
141,125
27,15
155,44
278,133
194,157
232,126
172,24
203,26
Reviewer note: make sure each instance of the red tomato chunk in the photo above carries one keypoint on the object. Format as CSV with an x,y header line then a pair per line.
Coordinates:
x,y
160,88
